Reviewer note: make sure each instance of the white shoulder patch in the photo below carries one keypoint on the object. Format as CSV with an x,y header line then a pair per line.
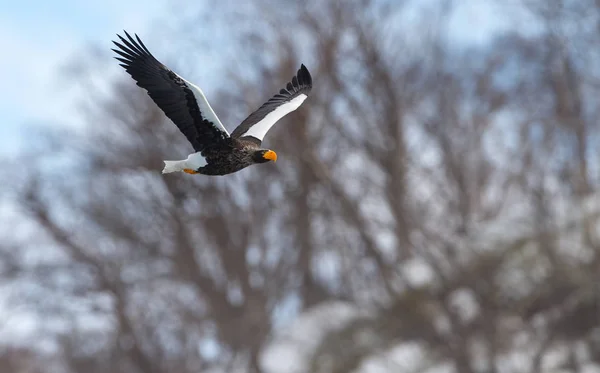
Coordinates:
x,y
205,108
260,129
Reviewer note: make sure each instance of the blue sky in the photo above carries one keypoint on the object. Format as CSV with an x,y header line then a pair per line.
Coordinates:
x,y
39,36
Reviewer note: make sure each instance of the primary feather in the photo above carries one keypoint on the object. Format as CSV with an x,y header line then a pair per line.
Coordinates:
x,y
257,124
181,101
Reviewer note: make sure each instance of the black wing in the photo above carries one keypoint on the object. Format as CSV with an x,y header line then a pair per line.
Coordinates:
x,y
181,101
287,100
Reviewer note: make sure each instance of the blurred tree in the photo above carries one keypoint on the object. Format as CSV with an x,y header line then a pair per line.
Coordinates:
x,y
434,206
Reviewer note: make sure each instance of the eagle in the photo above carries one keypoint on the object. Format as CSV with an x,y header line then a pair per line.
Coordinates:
x,y
216,152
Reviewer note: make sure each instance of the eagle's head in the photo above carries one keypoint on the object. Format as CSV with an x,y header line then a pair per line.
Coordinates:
x,y
264,155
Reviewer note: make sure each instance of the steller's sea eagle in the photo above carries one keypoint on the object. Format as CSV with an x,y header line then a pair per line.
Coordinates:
x,y
216,151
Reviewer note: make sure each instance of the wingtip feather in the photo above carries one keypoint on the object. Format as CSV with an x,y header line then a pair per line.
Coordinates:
x,y
142,45
304,76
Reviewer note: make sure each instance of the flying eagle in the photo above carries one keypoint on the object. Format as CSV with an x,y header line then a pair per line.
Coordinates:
x,y
216,151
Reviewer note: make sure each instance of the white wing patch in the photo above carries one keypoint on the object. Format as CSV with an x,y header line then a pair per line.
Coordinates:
x,y
260,129
204,106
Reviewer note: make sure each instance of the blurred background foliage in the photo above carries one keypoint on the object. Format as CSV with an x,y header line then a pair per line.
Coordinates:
x,y
434,209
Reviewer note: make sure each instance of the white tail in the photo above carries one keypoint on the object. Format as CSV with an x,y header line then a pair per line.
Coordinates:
x,y
174,166
193,162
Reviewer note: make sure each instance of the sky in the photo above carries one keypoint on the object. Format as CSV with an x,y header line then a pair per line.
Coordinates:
x,y
39,37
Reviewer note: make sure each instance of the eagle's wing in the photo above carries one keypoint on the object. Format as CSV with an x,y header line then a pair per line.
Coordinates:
x,y
287,100
182,102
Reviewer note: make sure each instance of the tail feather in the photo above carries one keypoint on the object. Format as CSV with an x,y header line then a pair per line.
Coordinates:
x,y
174,166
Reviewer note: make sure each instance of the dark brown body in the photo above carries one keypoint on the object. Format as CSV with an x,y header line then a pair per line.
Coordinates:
x,y
230,156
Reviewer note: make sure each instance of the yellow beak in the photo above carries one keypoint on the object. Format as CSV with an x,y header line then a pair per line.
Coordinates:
x,y
270,155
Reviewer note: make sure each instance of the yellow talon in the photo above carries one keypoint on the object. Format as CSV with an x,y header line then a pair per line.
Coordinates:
x,y
189,171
